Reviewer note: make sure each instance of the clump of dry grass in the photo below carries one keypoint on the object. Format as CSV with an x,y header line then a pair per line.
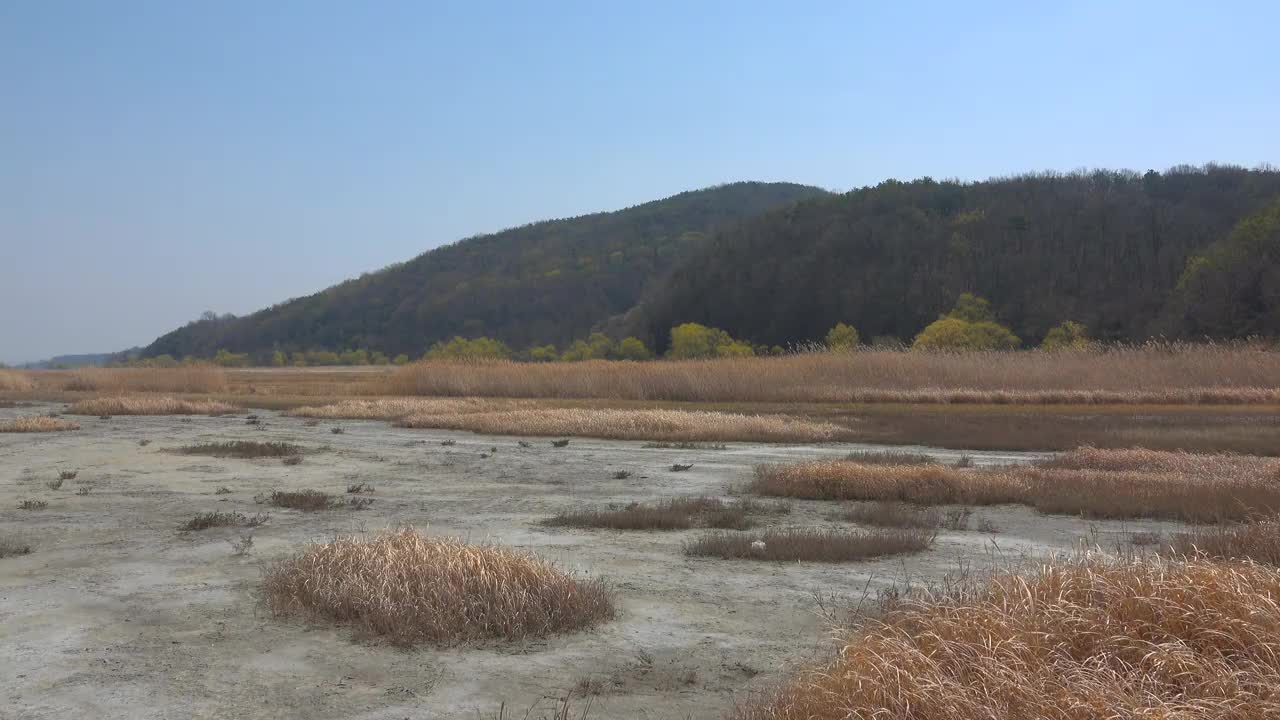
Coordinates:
x,y
394,408
1084,639
33,505
1160,374
890,457
10,546
243,449
919,484
811,544
1255,541
411,588
892,514
684,446
202,379
207,520
1131,484
15,381
36,424
149,405
679,513
671,425
305,500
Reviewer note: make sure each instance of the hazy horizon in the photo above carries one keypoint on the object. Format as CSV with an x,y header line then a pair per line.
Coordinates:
x,y
164,161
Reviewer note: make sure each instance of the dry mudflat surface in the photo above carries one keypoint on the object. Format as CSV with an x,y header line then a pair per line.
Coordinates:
x,y
118,614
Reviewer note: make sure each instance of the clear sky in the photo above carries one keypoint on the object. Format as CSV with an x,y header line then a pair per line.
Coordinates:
x,y
159,159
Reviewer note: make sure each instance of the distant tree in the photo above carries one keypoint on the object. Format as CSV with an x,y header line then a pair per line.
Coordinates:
x,y
298,359
401,359
632,348
226,358
1070,335
354,357
543,353
842,337
459,348
378,358
278,359
693,341
970,326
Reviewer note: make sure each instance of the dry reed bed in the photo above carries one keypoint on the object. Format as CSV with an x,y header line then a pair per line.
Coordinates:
x,y
1089,482
1078,640
186,379
37,424
15,381
1151,374
1256,541
396,408
149,405
670,425
410,588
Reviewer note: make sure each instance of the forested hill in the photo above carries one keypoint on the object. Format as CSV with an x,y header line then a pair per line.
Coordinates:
x,y
1107,249
548,282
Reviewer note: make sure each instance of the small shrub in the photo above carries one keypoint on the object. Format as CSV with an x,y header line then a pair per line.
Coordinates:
x,y
83,490
10,547
448,443
144,443
337,430
559,443
242,545
360,503
311,423
292,460
524,443
985,525
810,544
67,475
360,488
957,518
410,589
243,449
33,505
677,467
224,490
54,484
621,474
207,520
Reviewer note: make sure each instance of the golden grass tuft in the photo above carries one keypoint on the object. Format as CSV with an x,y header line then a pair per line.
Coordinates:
x,y
1090,482
1154,374
1079,640
149,405
671,425
185,379
15,381
410,588
37,424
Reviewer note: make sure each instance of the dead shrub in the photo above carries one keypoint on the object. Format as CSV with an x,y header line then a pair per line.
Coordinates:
x,y
243,449
10,547
305,500
54,484
811,544
410,588
37,424
149,405
33,505
207,520
1081,639
360,488
892,514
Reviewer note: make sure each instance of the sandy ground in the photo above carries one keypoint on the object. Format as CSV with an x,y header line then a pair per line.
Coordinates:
x,y
117,614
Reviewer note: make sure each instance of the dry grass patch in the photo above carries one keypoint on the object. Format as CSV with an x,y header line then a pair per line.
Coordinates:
x,y
1159,374
1164,495
395,408
33,505
410,588
673,514
149,405
811,544
305,500
15,381
892,514
10,547
243,449
890,457
37,424
207,520
1256,541
202,379
1079,640
670,425
918,484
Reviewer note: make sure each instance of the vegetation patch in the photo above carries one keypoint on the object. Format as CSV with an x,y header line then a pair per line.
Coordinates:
x,y
890,457
684,446
37,424
202,379
892,514
1108,639
149,405
305,500
243,449
679,513
398,407
1256,541
10,547
207,520
811,544
670,425
14,380
33,505
410,588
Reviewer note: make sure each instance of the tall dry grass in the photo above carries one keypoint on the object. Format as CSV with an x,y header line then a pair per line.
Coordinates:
x,y
15,381
1151,374
1257,541
148,405
1091,482
185,379
670,425
37,423
410,588
1083,640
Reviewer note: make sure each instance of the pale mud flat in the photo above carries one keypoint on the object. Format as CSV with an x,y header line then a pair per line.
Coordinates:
x,y
117,614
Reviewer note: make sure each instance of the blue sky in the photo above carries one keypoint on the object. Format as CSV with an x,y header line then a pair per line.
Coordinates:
x,y
159,159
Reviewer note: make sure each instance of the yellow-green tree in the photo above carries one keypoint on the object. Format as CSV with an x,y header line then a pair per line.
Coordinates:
x,y
633,348
694,341
842,337
459,348
971,325
1070,335
278,359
